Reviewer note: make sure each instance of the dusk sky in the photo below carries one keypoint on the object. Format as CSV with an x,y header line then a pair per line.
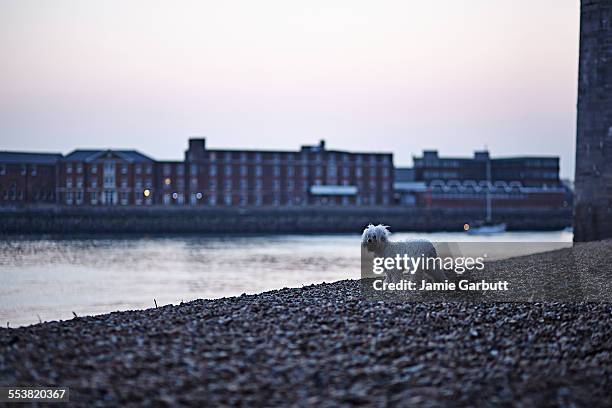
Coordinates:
x,y
399,76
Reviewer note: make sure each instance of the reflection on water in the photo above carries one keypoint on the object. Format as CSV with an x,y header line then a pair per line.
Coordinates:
x,y
50,278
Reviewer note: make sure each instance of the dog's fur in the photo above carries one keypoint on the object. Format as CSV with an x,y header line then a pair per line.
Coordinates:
x,y
375,239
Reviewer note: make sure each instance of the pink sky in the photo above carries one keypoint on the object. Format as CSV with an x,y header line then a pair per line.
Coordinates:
x,y
397,76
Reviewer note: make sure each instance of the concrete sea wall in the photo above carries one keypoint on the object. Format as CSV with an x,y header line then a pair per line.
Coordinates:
x,y
260,220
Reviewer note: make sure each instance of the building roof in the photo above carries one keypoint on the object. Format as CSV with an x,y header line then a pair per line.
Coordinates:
x,y
90,155
29,158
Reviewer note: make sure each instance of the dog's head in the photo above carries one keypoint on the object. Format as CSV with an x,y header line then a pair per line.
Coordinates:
x,y
374,238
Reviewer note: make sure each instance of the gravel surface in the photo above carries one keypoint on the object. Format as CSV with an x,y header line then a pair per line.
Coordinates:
x,y
323,345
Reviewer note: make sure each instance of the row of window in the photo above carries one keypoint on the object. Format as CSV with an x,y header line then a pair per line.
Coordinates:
x,y
15,194
228,199
303,157
332,171
109,181
23,170
106,197
108,168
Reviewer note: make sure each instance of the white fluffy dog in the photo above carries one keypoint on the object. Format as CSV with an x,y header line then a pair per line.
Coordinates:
x,y
375,239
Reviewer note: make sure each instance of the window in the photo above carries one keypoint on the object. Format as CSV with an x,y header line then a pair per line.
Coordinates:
x,y
228,199
180,169
2,169
167,170
193,169
69,168
94,198
33,171
149,169
194,182
258,171
228,184
276,171
79,182
243,170
24,169
79,168
305,171
290,171
94,168
228,170
212,170
212,184
69,182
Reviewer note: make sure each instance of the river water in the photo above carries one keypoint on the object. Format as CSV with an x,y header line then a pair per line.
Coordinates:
x,y
49,278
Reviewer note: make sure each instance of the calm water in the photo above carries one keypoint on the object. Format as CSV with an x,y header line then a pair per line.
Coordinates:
x,y
50,278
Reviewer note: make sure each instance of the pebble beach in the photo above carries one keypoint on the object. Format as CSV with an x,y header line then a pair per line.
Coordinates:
x,y
325,345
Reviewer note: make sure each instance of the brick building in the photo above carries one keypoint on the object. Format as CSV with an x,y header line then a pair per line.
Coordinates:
x,y
28,178
106,177
528,171
312,175
512,183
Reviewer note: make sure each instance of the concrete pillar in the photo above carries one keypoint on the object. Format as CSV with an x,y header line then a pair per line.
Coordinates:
x,y
593,181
